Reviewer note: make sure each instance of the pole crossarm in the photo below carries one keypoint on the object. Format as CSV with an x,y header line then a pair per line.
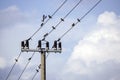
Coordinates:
x,y
42,50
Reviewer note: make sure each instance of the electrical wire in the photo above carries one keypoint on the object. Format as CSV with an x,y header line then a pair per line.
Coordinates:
x,y
79,20
62,19
74,24
59,7
34,75
29,59
48,18
16,60
47,55
37,70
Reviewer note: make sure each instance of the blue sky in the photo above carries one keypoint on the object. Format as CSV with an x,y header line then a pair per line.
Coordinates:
x,y
90,50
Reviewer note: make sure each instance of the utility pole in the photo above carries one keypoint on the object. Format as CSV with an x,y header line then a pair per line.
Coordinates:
x,y
57,48
43,66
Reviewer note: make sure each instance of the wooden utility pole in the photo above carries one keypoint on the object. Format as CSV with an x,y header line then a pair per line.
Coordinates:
x,y
43,65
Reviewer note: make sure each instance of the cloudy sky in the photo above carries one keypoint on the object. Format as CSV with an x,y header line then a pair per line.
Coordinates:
x,y
90,50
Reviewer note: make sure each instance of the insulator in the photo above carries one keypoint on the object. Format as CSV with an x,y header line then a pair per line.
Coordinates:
x,y
60,45
39,44
47,45
27,44
22,44
55,45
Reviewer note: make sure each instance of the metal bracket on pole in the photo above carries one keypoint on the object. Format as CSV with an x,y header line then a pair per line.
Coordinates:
x,y
42,50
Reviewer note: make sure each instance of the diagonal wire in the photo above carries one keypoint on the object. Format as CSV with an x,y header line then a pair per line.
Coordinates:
x,y
62,19
47,55
74,24
37,70
16,60
90,10
59,7
26,65
34,75
49,18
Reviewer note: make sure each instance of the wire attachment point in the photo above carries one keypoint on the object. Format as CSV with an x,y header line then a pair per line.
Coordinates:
x,y
59,39
43,39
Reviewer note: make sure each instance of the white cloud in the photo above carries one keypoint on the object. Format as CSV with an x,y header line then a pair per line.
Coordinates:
x,y
10,16
97,48
108,18
2,62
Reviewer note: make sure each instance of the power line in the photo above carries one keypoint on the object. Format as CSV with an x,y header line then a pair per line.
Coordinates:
x,y
59,7
90,10
29,59
16,60
48,18
37,70
34,75
47,55
62,19
79,20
